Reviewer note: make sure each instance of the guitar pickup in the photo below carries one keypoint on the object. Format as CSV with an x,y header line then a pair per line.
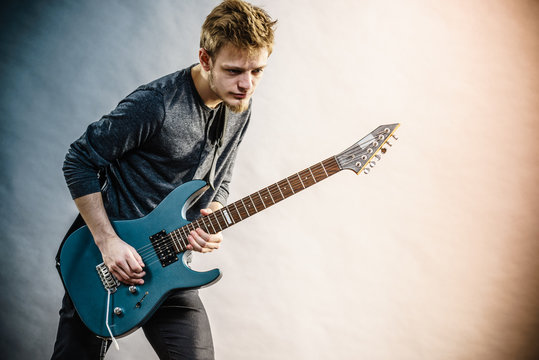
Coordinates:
x,y
164,248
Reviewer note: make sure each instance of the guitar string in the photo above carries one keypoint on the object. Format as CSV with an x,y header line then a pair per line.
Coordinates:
x,y
294,180
256,203
150,257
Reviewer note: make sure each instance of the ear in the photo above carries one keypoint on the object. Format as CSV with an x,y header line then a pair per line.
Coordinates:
x,y
204,59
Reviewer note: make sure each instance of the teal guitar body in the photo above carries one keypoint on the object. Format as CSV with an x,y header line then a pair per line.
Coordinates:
x,y
128,308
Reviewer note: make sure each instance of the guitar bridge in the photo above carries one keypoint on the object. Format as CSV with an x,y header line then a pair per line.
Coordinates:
x,y
110,283
164,248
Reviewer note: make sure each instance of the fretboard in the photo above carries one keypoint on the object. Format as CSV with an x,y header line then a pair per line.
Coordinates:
x,y
256,202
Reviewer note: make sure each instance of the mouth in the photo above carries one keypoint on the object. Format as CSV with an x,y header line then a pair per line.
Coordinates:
x,y
239,96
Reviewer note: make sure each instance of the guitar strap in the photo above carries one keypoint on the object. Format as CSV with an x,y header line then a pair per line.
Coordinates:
x,y
216,133
78,223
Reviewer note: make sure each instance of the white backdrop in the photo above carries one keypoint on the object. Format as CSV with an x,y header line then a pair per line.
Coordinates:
x,y
433,255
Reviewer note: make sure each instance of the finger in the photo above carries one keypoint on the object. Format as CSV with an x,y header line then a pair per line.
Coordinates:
x,y
193,244
119,272
122,271
134,279
216,238
205,212
133,263
210,241
200,239
199,244
212,246
138,258
139,275
204,235
213,243
213,239
196,240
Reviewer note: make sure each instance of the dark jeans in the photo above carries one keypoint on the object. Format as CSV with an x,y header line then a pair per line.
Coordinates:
x,y
179,329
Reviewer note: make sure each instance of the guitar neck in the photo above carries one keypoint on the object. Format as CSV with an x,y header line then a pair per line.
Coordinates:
x,y
256,202
355,158
268,196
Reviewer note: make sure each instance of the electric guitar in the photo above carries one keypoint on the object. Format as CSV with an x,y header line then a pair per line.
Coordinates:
x,y
112,309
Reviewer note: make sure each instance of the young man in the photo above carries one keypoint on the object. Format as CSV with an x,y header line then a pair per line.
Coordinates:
x,y
186,125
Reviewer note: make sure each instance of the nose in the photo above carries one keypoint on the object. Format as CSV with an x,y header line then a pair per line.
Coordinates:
x,y
245,81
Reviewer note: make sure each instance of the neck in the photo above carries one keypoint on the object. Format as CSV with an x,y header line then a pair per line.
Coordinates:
x,y
202,84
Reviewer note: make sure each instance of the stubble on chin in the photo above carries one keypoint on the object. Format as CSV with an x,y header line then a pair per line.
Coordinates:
x,y
238,108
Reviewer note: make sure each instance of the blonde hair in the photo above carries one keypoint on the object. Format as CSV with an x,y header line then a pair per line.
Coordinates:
x,y
239,23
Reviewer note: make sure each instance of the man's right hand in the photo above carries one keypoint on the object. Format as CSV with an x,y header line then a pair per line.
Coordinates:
x,y
122,260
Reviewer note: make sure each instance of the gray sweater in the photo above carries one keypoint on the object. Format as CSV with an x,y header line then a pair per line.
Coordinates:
x,y
157,138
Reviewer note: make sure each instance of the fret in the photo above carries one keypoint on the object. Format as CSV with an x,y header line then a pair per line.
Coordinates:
x,y
307,180
256,201
291,188
206,226
245,207
180,239
278,187
237,211
269,192
250,198
214,222
273,192
299,177
323,167
218,223
184,234
265,197
187,231
174,243
312,174
261,199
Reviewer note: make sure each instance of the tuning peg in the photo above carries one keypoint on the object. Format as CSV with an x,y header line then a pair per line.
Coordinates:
x,y
383,150
372,164
396,138
378,157
388,143
366,171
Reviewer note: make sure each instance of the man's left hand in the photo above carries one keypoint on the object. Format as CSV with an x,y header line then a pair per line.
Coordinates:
x,y
201,241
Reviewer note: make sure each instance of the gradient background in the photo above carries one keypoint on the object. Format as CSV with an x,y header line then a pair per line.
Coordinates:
x,y
433,255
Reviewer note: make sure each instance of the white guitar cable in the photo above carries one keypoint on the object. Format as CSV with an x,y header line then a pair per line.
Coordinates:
x,y
107,323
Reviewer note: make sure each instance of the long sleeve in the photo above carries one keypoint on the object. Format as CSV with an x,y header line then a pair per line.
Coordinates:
x,y
127,127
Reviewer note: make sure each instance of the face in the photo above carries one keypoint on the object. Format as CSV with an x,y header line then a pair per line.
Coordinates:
x,y
235,74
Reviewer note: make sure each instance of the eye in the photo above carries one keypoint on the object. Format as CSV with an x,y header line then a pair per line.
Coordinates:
x,y
233,71
258,71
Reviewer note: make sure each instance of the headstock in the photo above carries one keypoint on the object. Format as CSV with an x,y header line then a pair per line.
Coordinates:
x,y
367,150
